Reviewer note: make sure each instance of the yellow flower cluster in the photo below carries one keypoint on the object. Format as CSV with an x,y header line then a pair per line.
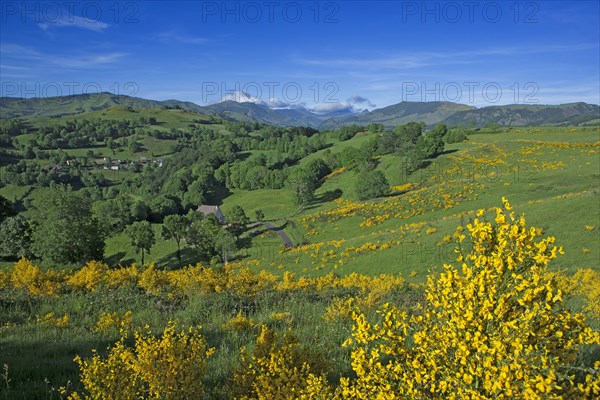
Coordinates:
x,y
237,278
340,309
585,283
52,320
38,283
113,322
335,172
537,145
171,366
239,323
88,277
493,328
279,369
410,204
402,188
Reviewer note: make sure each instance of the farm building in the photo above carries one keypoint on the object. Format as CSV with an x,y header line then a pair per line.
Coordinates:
x,y
215,210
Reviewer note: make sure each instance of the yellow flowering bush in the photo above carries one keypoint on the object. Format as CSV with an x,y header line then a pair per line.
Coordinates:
x,y
281,317
113,321
4,279
52,320
340,309
239,323
154,281
123,276
493,328
171,366
38,283
278,369
586,282
88,277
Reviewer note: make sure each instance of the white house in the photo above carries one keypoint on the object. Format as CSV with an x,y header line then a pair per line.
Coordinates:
x,y
215,210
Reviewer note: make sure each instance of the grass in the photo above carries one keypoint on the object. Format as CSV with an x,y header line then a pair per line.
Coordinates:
x,y
569,193
561,200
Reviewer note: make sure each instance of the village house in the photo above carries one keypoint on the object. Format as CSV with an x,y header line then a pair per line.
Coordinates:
x,y
215,210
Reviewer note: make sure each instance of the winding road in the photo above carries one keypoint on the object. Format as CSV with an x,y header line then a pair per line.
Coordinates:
x,y
287,242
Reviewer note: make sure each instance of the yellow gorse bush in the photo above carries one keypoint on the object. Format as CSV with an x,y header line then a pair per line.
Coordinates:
x,y
38,283
170,366
493,328
279,369
113,321
53,320
88,277
239,323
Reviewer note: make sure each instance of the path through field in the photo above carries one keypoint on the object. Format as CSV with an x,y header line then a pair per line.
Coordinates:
x,y
287,242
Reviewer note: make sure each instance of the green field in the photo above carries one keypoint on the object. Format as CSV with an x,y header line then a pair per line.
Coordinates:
x,y
549,174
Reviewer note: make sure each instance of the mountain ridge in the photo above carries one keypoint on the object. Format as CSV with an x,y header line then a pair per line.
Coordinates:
x,y
396,114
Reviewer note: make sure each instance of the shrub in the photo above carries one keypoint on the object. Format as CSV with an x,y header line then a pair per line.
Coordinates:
x,y
493,327
371,184
171,366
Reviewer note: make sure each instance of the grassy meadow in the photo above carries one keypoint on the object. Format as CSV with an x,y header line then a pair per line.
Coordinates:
x,y
550,174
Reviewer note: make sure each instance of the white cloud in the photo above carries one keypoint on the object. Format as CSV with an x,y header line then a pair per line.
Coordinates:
x,y
23,53
171,36
425,59
74,21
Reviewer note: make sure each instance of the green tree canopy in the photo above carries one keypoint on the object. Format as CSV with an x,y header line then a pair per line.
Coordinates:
x,y
15,237
175,228
66,229
371,184
142,237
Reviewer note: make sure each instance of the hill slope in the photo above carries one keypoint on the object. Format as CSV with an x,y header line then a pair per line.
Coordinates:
x,y
527,115
397,114
402,113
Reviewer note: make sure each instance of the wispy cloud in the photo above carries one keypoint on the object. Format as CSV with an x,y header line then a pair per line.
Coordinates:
x,y
172,36
425,59
79,61
74,21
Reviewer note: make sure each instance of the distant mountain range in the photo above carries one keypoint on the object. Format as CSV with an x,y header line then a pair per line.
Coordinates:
x,y
397,114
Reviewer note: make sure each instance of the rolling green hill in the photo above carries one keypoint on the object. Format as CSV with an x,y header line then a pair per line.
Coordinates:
x,y
528,115
402,113
428,112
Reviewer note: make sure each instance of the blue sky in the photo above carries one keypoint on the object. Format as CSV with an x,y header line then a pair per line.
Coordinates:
x,y
321,55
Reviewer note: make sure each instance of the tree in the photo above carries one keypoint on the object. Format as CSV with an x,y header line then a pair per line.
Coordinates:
x,y
66,229
162,206
238,220
142,237
225,243
201,233
15,237
135,146
371,184
175,228
455,136
6,209
259,214
411,132
303,187
432,143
